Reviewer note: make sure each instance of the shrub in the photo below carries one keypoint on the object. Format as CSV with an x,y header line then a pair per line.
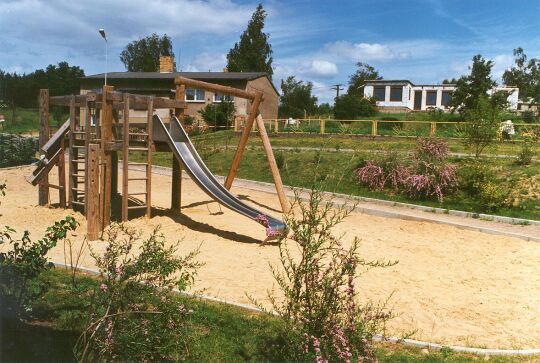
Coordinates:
x,y
16,150
525,155
350,107
21,265
133,315
473,175
493,196
219,114
321,317
482,127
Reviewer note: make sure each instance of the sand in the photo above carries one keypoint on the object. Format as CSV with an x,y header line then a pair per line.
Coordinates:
x,y
451,286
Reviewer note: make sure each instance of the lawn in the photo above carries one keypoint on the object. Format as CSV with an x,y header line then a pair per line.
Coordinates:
x,y
219,332
300,168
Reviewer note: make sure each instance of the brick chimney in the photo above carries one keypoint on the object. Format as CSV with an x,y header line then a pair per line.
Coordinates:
x,y
166,64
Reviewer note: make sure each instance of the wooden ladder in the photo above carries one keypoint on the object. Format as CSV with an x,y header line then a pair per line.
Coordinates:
x,y
126,148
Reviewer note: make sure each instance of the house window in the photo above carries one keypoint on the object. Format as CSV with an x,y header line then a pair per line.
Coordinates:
x,y
431,98
194,95
396,94
446,98
379,93
220,97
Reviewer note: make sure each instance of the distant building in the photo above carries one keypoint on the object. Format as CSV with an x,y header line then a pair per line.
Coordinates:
x,y
404,96
161,84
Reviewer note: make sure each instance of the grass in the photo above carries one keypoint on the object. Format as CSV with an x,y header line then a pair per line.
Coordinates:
x,y
221,332
300,168
26,120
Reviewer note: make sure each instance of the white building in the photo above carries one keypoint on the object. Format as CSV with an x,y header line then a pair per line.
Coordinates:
x,y
404,96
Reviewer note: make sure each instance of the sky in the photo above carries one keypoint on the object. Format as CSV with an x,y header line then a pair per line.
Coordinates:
x,y
424,41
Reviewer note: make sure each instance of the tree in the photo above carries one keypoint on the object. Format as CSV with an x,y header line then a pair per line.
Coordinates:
x,y
483,123
252,53
324,109
296,99
470,89
363,73
525,75
218,114
350,106
449,81
143,55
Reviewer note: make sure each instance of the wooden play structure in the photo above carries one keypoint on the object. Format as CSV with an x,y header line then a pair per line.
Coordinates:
x,y
99,128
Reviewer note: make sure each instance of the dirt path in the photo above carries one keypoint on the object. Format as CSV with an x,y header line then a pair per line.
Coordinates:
x,y
453,286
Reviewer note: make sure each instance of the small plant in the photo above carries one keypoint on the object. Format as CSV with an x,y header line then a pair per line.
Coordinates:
x,y
322,319
220,115
482,126
24,262
133,316
525,155
280,160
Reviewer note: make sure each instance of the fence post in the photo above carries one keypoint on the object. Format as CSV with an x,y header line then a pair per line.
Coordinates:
x,y
322,125
92,194
276,126
374,128
433,129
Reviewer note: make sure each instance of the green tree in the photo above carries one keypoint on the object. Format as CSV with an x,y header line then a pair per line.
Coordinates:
x,y
472,88
218,114
252,53
449,81
350,106
296,99
143,55
325,109
363,73
483,123
525,75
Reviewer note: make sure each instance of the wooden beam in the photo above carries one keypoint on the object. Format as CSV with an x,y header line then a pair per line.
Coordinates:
x,y
243,140
125,160
66,100
188,82
72,184
180,95
87,136
273,165
149,131
62,174
92,191
176,191
43,138
106,135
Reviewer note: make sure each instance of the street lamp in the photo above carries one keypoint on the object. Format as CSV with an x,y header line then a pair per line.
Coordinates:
x,y
104,36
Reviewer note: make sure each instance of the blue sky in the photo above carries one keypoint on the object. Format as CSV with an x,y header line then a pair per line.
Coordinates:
x,y
318,41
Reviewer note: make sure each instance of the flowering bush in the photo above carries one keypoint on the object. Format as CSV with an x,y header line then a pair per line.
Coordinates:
x,y
321,316
133,315
427,175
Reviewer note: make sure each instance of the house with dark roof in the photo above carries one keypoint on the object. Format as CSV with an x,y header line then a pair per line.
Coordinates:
x,y
161,84
405,96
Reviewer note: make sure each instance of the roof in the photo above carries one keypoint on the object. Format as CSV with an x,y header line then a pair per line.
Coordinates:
x,y
382,81
170,75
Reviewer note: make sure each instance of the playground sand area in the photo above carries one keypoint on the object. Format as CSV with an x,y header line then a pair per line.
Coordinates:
x,y
451,286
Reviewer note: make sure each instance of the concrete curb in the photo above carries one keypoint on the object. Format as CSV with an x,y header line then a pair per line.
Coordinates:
x,y
377,337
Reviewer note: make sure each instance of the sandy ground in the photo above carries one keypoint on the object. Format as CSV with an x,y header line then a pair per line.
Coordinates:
x,y
453,286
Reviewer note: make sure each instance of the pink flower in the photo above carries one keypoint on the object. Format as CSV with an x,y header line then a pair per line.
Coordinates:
x,y
262,219
270,232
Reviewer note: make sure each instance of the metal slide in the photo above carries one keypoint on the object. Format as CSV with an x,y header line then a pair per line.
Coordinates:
x,y
49,154
185,152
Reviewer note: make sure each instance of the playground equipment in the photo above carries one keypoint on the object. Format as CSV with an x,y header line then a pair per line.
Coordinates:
x,y
99,127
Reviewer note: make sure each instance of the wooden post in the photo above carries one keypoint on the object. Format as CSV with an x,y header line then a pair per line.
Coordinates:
x,y
322,125
180,96
433,129
106,160
374,128
92,197
62,174
87,137
276,126
149,131
243,140
43,138
125,160
273,165
176,191
72,194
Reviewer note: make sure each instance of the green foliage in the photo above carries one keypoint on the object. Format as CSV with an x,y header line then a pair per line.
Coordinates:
x,y
325,110
143,55
16,150
363,73
296,99
351,106
525,75
252,53
321,317
133,316
482,127
22,90
473,89
218,114
525,155
24,261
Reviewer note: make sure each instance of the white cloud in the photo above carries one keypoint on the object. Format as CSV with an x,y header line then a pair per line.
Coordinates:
x,y
359,51
501,63
322,68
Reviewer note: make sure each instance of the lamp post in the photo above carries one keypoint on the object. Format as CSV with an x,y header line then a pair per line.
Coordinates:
x,y
104,36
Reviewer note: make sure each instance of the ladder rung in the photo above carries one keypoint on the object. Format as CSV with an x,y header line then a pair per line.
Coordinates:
x,y
132,179
54,186
138,193
137,148
77,202
78,146
137,207
78,160
78,175
78,190
135,163
137,134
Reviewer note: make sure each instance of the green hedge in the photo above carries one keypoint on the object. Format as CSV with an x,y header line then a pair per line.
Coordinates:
x,y
17,150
